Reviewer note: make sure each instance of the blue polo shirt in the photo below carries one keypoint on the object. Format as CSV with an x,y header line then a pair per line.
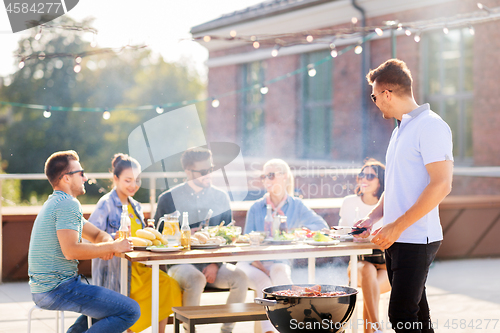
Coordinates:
x,y
421,138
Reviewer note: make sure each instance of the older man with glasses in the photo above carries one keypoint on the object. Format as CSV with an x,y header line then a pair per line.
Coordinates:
x,y
56,246
198,197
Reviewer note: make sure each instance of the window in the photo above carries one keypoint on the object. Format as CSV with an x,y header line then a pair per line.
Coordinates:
x,y
448,85
253,109
316,107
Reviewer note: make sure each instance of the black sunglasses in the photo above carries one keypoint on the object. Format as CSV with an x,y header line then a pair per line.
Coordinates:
x,y
73,172
374,97
368,176
203,172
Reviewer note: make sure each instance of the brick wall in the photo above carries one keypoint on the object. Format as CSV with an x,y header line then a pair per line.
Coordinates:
x,y
282,103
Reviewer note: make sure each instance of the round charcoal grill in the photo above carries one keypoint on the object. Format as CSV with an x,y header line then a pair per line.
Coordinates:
x,y
293,314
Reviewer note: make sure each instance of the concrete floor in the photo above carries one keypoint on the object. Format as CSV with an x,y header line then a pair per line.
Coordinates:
x,y
464,296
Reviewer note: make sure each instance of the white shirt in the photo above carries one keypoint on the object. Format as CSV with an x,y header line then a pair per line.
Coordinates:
x,y
421,138
349,215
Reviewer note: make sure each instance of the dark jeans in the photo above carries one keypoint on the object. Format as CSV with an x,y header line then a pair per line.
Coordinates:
x,y
407,267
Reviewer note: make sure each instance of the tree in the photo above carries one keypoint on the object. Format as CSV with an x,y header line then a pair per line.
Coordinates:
x,y
122,80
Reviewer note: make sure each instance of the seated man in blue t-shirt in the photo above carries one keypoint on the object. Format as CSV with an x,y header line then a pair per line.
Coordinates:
x,y
56,246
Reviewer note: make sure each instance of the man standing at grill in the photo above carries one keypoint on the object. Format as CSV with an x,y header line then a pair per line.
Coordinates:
x,y
419,168
56,246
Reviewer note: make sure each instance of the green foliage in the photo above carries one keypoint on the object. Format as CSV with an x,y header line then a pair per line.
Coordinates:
x,y
127,79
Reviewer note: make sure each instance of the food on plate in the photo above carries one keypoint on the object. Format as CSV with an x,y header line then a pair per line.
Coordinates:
x,y
314,291
145,234
137,241
146,237
283,236
202,238
229,233
320,237
155,232
243,239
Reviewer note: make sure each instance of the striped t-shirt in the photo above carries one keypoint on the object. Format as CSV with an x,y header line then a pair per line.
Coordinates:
x,y
47,266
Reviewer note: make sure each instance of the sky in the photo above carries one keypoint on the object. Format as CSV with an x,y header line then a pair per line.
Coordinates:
x,y
162,24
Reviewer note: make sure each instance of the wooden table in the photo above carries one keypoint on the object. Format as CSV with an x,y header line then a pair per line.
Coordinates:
x,y
243,253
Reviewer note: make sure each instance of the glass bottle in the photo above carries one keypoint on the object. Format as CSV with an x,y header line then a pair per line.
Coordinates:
x,y
283,225
185,232
276,225
125,224
268,222
151,223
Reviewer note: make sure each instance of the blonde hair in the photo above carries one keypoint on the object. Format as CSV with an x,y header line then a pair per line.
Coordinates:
x,y
285,168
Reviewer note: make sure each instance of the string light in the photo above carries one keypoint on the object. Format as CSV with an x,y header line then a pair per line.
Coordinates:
x,y
256,45
215,103
106,115
41,55
379,31
39,34
159,110
21,64
471,30
77,68
417,37
333,51
311,70
400,26
446,30
310,38
354,20
275,51
207,39
408,32
358,49
232,33
78,59
483,7
47,112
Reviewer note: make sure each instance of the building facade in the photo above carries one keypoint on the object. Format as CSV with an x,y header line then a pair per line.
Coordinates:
x,y
328,118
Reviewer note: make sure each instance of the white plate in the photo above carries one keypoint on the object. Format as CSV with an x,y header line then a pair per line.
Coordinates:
x,y
278,242
313,242
204,246
164,249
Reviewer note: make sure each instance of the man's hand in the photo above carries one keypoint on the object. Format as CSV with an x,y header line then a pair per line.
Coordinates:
x,y
387,235
211,272
364,223
122,245
260,266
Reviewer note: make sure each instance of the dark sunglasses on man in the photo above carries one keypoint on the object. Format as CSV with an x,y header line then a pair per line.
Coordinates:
x,y
374,97
203,172
82,173
368,176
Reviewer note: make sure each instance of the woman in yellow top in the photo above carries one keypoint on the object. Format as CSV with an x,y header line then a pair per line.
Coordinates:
x,y
107,215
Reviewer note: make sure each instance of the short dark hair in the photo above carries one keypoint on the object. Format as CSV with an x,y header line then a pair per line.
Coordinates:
x,y
392,75
121,162
193,155
58,163
379,169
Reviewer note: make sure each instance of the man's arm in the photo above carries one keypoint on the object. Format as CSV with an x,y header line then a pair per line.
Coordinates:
x,y
102,245
441,175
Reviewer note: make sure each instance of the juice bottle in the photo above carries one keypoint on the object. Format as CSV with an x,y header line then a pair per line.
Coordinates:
x,y
185,232
125,225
